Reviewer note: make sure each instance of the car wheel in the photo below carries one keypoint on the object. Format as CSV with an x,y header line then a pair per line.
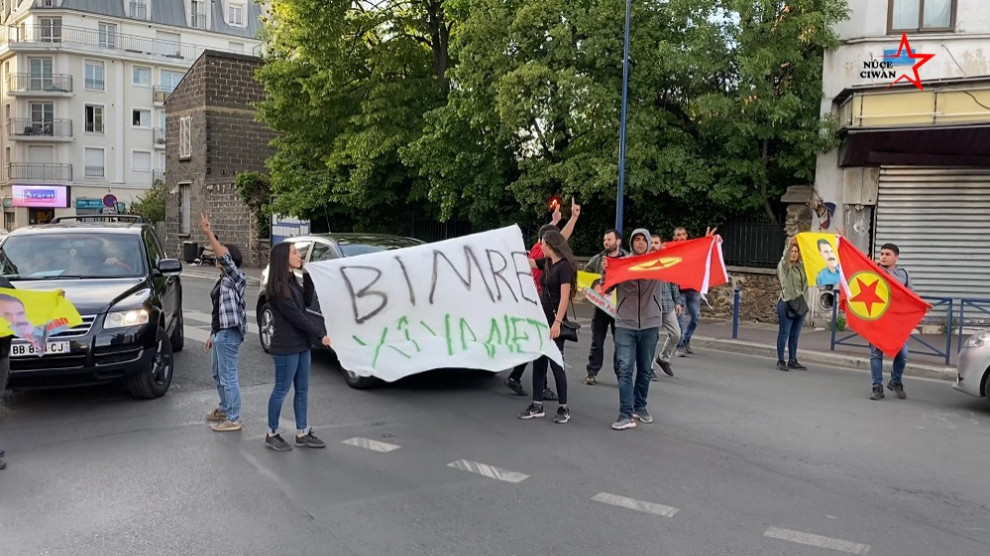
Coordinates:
x,y
266,326
178,338
154,382
359,382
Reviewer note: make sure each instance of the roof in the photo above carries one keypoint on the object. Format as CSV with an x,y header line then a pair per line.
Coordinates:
x,y
173,12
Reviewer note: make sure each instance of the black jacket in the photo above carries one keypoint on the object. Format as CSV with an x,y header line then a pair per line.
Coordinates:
x,y
294,331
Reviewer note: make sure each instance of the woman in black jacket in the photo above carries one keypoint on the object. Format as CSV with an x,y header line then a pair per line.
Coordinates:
x,y
292,337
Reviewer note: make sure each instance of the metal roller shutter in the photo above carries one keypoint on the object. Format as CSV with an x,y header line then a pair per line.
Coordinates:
x,y
940,219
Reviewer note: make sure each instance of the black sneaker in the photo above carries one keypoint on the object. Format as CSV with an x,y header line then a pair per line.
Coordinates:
x,y
877,393
534,410
276,443
515,386
796,366
665,367
898,389
563,415
309,440
548,395
781,366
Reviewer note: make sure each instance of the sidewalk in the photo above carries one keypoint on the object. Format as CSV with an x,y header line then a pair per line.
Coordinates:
x,y
760,339
211,273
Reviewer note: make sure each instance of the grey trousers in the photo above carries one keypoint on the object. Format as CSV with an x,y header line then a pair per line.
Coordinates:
x,y
673,331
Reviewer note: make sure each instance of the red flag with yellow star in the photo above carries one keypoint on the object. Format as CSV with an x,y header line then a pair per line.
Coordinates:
x,y
695,264
877,306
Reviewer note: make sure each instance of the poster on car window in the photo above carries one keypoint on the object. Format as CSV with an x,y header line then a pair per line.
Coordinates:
x,y
33,318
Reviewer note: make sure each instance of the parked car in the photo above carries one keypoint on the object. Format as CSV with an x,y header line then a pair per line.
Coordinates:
x,y
325,247
973,365
131,308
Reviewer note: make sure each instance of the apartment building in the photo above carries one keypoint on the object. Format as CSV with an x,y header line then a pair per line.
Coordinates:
x,y
83,85
914,115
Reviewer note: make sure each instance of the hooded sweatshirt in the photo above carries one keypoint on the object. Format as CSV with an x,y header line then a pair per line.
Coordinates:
x,y
638,301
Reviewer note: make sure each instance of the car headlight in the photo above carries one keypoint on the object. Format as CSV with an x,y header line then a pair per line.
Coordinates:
x,y
979,339
120,319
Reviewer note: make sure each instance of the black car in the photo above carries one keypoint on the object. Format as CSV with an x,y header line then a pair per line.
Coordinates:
x,y
325,247
115,272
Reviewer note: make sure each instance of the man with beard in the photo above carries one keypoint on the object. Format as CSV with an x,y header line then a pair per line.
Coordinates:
x,y
601,322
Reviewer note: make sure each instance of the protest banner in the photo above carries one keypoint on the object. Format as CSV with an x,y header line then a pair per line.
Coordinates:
x,y
32,317
468,302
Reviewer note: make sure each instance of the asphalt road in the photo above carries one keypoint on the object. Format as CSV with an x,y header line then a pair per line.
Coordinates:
x,y
743,460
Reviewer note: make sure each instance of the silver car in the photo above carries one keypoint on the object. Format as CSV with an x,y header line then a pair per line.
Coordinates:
x,y
973,365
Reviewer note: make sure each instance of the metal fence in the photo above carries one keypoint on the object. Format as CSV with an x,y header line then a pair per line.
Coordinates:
x,y
753,244
428,229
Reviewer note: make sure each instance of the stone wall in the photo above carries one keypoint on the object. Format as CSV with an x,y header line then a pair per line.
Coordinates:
x,y
759,290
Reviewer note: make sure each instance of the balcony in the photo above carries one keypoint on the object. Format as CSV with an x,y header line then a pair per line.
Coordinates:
x,y
95,171
39,171
160,94
53,85
24,129
35,38
157,176
159,134
139,10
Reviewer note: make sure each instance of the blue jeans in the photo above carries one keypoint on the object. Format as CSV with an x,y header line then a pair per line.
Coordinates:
x,y
876,365
634,351
226,344
290,370
788,332
691,305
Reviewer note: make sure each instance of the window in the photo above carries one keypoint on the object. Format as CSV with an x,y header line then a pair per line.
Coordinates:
x,y
141,118
197,10
921,15
184,208
94,163
41,74
42,112
94,76
108,35
139,9
51,29
154,248
322,252
168,44
141,161
141,76
94,118
170,80
235,14
185,138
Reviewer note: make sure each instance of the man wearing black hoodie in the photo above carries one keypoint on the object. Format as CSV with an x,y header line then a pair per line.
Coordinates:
x,y
638,318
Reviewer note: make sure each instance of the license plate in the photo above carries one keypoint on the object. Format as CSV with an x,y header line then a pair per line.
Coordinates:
x,y
24,350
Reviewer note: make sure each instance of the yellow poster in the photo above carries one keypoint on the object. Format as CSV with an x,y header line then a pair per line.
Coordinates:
x,y
34,316
585,279
821,259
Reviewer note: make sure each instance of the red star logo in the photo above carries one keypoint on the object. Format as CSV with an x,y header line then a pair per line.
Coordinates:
x,y
868,295
922,58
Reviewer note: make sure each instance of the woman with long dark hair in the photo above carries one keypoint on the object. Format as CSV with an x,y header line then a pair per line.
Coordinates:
x,y
292,337
559,285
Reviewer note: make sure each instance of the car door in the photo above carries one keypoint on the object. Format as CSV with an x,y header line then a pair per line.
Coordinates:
x,y
321,251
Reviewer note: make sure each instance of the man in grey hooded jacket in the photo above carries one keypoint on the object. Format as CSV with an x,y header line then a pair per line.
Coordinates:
x,y
638,318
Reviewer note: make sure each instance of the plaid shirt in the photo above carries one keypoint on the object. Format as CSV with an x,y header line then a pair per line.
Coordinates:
x,y
670,296
233,313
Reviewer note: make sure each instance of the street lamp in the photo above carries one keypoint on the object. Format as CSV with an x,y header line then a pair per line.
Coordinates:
x,y
622,123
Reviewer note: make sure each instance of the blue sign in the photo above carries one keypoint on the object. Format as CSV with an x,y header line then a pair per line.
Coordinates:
x,y
890,55
89,204
284,227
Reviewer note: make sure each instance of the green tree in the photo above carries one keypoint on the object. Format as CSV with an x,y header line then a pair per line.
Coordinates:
x,y
347,86
254,189
151,206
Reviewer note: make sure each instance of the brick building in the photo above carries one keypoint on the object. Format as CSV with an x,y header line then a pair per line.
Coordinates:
x,y
213,136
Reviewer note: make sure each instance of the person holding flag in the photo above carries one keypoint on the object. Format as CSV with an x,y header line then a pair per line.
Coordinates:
x,y
889,255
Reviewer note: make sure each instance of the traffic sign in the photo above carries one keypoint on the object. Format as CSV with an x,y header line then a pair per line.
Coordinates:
x,y
109,200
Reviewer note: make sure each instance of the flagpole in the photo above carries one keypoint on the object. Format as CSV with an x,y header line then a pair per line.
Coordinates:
x,y
620,191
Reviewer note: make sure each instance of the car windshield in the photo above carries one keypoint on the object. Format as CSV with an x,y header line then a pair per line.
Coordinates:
x,y
71,255
379,244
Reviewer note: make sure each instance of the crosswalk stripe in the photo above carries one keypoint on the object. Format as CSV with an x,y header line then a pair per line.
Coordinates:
x,y
207,318
632,504
816,540
489,471
369,444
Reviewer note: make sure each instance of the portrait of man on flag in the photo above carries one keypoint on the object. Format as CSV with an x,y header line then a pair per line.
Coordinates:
x,y
819,253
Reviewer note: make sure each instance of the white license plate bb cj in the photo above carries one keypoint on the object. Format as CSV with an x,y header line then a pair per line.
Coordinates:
x,y
23,350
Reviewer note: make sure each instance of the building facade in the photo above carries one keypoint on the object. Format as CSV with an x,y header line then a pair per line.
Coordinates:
x,y
83,89
913,167
213,136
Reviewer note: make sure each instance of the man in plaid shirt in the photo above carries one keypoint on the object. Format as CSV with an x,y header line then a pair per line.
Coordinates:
x,y
227,331
670,306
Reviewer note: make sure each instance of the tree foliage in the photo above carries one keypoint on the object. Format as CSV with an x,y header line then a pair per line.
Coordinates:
x,y
482,109
254,189
151,206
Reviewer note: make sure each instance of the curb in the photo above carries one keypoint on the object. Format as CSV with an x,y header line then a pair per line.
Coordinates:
x,y
939,372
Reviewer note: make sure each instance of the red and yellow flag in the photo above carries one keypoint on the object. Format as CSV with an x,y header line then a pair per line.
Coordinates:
x,y
877,307
695,264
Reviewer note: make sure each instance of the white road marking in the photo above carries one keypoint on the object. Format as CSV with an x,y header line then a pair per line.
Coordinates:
x,y
488,471
197,334
632,504
816,540
369,444
207,318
